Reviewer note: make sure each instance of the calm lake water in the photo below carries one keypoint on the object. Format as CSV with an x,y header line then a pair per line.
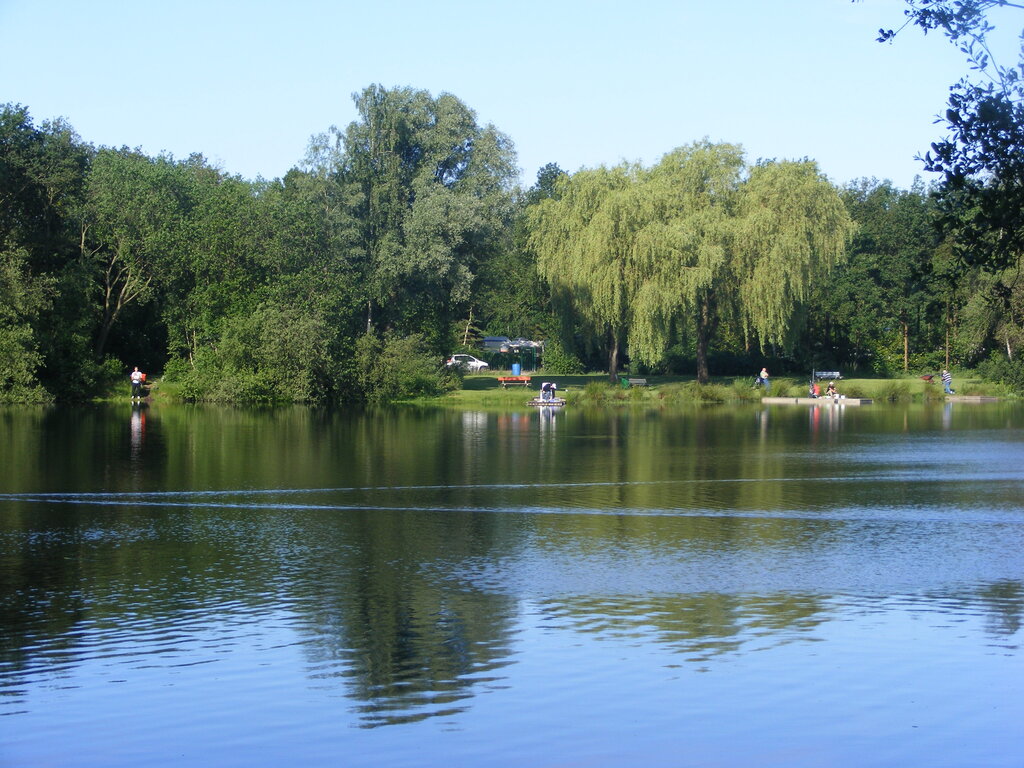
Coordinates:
x,y
740,586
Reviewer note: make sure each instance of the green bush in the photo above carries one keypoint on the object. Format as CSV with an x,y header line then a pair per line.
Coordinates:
x,y
204,378
787,388
398,368
852,390
19,360
596,392
742,389
636,394
999,369
279,353
23,297
930,361
559,362
893,391
694,392
708,393
273,354
176,369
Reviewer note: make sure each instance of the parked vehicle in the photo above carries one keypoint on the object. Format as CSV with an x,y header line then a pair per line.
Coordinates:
x,y
466,363
499,343
523,342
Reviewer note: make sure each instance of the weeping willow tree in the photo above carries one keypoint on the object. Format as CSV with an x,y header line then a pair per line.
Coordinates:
x,y
583,240
693,240
792,229
684,252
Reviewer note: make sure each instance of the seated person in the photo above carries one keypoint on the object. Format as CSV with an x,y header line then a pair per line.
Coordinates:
x,y
831,391
815,389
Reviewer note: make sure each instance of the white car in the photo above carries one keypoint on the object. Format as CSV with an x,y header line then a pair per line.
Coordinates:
x,y
466,363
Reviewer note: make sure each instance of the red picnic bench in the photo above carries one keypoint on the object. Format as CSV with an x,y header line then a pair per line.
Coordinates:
x,y
506,380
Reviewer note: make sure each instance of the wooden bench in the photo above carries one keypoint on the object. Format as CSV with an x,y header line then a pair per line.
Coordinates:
x,y
827,375
514,380
637,382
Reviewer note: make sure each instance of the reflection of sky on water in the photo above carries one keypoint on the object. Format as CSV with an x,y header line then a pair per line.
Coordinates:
x,y
562,588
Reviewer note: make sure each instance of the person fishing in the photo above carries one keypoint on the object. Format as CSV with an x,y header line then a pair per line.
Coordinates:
x,y
137,377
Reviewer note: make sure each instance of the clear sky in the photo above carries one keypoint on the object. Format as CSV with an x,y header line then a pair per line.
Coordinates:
x,y
575,83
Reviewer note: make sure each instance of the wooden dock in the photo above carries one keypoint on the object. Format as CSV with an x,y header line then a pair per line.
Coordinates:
x,y
555,402
840,401
972,399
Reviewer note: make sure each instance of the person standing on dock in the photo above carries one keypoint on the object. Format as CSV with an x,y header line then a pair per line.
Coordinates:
x,y
764,380
947,381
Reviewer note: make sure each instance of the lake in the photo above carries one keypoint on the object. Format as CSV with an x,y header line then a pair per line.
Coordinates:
x,y
724,586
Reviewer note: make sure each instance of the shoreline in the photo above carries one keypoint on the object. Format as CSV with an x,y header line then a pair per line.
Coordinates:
x,y
486,391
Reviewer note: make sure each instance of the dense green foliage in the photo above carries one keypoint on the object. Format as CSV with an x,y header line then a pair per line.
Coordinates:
x,y
403,238
981,157
884,303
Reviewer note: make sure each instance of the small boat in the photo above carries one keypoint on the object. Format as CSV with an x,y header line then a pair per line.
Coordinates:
x,y
826,400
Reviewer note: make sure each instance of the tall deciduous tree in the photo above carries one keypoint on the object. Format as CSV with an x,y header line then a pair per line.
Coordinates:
x,y
434,193
42,172
885,297
130,220
509,297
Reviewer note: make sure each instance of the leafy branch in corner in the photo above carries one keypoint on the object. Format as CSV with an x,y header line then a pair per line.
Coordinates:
x,y
982,156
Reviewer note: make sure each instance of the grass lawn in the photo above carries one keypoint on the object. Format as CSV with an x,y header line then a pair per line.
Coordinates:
x,y
484,390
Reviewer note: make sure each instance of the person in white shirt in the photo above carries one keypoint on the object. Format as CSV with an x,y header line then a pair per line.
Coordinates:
x,y
137,378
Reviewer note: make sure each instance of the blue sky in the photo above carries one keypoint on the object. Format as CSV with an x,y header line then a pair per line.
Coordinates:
x,y
575,83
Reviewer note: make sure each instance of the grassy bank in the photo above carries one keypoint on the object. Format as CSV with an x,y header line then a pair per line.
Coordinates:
x,y
484,391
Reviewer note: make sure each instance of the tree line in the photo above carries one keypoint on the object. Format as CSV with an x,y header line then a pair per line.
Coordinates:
x,y
405,237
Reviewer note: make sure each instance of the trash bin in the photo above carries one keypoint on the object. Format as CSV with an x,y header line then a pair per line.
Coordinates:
x,y
516,368
624,382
